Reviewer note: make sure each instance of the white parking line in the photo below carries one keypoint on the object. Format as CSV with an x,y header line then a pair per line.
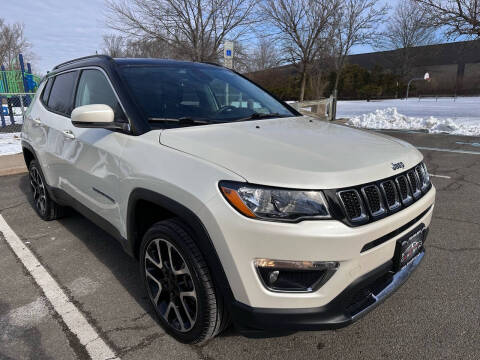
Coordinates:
x,y
73,318
450,150
440,176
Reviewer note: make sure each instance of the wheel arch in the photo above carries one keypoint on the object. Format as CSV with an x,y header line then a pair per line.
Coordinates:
x,y
170,208
28,153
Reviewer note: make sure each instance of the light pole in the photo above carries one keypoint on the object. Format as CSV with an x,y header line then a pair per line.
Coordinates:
x,y
426,77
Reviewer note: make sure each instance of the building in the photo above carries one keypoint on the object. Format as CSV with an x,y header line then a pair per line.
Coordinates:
x,y
454,69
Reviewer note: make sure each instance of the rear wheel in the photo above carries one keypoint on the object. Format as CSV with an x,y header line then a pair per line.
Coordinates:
x,y
179,284
44,205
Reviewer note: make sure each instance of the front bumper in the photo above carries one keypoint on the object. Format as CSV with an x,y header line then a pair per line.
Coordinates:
x,y
358,251
356,300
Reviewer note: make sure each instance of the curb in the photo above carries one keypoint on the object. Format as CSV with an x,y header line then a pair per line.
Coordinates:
x,y
12,164
13,170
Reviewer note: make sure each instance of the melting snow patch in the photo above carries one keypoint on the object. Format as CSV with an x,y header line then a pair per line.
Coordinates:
x,y
10,143
390,118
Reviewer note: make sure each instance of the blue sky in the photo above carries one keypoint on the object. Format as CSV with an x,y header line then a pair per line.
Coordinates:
x,y
60,30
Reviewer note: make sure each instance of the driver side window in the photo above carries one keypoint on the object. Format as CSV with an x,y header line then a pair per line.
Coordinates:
x,y
93,88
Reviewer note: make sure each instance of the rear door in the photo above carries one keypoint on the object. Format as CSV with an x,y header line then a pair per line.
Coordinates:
x,y
34,130
54,117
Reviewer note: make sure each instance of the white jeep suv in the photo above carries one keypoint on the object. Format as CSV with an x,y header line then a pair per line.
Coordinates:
x,y
238,208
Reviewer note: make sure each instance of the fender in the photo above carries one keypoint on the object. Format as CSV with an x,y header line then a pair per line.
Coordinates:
x,y
26,145
197,228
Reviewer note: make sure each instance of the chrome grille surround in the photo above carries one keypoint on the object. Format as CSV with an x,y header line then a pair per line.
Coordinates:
x,y
373,199
388,188
365,203
360,215
414,182
423,177
404,190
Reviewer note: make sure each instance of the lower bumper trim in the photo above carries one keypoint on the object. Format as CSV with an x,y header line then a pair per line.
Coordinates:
x,y
362,296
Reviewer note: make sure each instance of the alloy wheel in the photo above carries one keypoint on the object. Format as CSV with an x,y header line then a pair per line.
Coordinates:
x,y
38,189
170,285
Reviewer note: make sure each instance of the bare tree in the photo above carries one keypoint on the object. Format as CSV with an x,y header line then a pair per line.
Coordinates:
x,y
459,17
357,22
114,45
196,29
300,26
406,29
120,46
149,48
12,42
263,55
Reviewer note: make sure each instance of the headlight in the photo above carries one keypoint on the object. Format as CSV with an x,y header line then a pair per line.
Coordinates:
x,y
275,204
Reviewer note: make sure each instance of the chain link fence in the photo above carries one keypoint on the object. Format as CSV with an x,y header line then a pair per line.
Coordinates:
x,y
12,111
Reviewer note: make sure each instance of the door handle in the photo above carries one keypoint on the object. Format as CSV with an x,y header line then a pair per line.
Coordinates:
x,y
68,134
36,121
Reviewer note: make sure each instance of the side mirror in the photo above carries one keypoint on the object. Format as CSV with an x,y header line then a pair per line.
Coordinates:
x,y
95,116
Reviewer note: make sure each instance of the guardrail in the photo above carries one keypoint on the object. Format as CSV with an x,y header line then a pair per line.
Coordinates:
x,y
12,111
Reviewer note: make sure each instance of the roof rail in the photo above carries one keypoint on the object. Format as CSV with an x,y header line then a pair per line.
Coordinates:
x,y
80,59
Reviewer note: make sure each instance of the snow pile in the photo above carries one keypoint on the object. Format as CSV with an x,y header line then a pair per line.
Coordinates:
x,y
10,144
390,118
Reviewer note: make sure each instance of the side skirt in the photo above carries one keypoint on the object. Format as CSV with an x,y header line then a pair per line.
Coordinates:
x,y
64,199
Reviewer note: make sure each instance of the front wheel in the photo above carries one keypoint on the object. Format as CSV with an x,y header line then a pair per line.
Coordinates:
x,y
179,284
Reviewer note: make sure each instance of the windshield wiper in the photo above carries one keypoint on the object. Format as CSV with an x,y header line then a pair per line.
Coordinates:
x,y
181,121
256,116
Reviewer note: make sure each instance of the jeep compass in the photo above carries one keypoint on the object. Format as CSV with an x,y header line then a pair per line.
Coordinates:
x,y
238,208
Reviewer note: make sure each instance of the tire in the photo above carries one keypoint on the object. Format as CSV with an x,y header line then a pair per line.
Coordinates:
x,y
43,204
183,295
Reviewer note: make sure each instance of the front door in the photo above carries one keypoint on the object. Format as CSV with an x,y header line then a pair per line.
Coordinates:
x,y
94,155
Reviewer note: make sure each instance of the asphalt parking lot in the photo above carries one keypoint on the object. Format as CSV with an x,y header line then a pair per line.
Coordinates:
x,y
435,315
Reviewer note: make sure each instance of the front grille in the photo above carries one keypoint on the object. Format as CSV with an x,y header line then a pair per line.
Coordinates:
x,y
422,177
391,194
404,190
373,199
414,184
369,202
353,205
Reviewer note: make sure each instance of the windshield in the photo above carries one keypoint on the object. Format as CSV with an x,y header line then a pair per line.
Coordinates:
x,y
187,94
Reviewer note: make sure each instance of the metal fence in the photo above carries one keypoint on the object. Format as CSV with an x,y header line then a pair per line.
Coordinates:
x,y
318,108
13,108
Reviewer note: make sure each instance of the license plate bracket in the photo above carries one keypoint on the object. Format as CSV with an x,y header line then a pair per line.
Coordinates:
x,y
409,246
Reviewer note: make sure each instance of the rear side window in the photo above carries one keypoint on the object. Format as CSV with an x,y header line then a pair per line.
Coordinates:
x,y
46,91
94,88
61,96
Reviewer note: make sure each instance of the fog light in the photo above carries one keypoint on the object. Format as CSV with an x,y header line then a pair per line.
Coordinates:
x,y
294,276
273,277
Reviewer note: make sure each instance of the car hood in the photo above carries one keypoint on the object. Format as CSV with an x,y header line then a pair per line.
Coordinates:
x,y
296,152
